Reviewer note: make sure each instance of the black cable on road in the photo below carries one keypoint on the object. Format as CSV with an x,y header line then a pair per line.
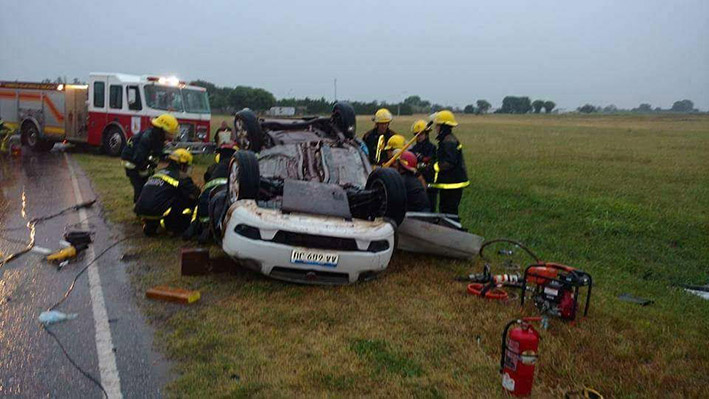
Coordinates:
x,y
73,363
66,295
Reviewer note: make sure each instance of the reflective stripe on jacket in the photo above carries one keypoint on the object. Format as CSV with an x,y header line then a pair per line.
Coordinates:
x,y
454,176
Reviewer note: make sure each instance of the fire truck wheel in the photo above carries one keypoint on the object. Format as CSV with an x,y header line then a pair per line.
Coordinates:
x,y
30,136
113,141
247,131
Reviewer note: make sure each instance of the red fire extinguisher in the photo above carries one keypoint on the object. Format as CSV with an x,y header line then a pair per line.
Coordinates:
x,y
519,356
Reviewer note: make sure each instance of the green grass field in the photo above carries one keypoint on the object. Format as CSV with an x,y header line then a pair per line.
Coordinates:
x,y
625,198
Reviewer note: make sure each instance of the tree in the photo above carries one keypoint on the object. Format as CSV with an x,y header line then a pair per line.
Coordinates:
x,y
537,105
610,109
413,100
549,106
483,106
587,109
643,108
249,97
469,109
416,104
683,106
515,105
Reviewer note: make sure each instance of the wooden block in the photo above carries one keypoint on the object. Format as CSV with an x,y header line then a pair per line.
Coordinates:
x,y
170,294
194,261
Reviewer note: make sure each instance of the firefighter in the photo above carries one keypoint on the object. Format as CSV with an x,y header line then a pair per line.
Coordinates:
x,y
450,175
416,198
425,152
376,138
215,178
142,152
4,136
395,143
168,197
223,135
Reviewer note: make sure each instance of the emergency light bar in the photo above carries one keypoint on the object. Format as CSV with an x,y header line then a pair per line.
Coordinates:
x,y
169,80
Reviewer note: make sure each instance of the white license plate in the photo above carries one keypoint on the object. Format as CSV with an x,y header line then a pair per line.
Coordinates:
x,y
310,257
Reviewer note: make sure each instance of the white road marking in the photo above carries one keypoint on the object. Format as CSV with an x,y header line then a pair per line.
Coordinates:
x,y
104,345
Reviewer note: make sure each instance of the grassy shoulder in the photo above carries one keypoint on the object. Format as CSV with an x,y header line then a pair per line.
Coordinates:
x,y
624,198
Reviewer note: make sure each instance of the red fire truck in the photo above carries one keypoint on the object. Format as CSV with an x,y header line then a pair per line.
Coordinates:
x,y
105,113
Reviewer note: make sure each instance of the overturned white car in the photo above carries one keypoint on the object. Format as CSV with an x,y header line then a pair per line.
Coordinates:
x,y
308,208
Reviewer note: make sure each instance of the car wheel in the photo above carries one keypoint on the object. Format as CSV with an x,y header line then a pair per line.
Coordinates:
x,y
389,186
113,141
344,119
217,209
30,136
247,131
243,181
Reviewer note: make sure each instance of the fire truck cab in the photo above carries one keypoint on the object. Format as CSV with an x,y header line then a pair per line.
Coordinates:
x,y
106,112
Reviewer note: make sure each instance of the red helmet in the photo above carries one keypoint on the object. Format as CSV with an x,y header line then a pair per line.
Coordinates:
x,y
229,145
408,161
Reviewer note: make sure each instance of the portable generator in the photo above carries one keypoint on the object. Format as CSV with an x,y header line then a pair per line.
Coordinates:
x,y
555,289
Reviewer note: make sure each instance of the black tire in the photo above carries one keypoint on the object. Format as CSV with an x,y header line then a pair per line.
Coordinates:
x,y
390,186
30,136
113,141
244,179
247,131
217,209
345,119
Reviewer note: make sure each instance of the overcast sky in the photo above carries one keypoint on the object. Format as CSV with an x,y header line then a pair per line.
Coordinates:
x,y
450,52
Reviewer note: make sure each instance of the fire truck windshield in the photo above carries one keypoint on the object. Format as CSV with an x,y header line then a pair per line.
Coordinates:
x,y
196,101
173,99
164,97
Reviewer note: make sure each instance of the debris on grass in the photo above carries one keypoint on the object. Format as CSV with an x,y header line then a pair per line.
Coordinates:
x,y
698,290
194,261
171,294
625,297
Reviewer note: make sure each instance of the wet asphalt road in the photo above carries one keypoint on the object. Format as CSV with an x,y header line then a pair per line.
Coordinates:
x,y
31,363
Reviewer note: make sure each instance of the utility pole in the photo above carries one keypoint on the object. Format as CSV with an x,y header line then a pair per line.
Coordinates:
x,y
335,84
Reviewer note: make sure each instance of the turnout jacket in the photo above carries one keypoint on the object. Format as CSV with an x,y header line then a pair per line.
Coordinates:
x,y
416,197
449,170
371,139
425,152
168,188
141,146
217,170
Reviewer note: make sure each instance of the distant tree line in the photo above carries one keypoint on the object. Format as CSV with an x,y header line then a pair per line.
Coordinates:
x,y
681,106
64,80
229,100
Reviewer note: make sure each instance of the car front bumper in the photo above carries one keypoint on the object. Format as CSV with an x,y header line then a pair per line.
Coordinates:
x,y
264,239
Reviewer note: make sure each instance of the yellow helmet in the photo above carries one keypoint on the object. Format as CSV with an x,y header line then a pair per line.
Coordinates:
x,y
166,122
395,142
418,126
382,116
181,156
444,117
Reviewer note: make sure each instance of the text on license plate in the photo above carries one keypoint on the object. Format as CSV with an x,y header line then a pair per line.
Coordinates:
x,y
309,257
